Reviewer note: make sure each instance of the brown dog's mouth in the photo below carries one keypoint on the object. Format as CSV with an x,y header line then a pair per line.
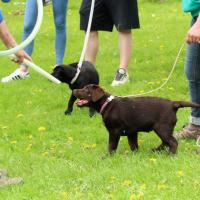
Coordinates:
x,y
82,102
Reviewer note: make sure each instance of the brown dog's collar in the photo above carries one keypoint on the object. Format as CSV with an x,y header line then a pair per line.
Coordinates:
x,y
109,99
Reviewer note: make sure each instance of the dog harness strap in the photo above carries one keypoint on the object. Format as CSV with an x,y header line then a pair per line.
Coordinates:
x,y
109,99
76,75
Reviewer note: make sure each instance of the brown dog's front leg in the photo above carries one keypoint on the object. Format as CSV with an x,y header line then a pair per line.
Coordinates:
x,y
113,142
133,141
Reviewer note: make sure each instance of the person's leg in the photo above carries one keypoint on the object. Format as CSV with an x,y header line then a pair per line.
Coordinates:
x,y
92,47
192,70
60,15
101,21
125,17
29,23
125,48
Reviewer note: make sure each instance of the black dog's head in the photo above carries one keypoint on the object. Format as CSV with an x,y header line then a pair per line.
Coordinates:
x,y
89,94
64,73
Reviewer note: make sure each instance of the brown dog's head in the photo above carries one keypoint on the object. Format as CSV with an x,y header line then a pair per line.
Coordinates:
x,y
90,93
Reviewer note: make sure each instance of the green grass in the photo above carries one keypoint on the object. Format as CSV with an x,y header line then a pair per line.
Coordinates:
x,y
64,161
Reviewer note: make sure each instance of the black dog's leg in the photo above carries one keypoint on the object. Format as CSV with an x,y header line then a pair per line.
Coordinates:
x,y
91,112
70,105
133,141
113,142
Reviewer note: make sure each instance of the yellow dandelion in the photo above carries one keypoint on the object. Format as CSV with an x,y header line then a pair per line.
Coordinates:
x,y
41,129
143,186
29,147
153,160
30,137
70,139
113,179
64,195
46,153
162,187
13,142
93,146
140,195
140,142
133,196
127,183
180,173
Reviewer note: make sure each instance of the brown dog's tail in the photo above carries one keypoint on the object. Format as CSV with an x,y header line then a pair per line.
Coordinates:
x,y
182,104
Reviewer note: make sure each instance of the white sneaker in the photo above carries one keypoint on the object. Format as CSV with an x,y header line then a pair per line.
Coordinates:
x,y
121,77
16,75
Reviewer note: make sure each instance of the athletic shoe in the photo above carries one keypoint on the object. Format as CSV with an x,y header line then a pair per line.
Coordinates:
x,y
121,77
188,132
46,2
16,75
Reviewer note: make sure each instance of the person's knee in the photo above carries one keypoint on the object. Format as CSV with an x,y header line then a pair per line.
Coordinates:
x,y
60,23
28,27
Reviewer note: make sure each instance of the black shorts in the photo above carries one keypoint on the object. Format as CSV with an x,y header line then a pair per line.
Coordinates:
x,y
107,13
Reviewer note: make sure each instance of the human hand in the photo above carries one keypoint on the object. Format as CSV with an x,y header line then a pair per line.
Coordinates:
x,y
21,55
193,34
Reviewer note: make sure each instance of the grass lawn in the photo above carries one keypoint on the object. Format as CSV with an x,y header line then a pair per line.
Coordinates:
x,y
60,157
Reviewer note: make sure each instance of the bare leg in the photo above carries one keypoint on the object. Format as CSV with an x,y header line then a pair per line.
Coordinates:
x,y
92,48
125,48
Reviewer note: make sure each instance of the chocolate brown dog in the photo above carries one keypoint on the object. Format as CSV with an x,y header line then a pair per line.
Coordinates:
x,y
88,75
125,116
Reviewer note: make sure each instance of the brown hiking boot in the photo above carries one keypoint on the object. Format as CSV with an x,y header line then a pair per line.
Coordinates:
x,y
6,181
189,132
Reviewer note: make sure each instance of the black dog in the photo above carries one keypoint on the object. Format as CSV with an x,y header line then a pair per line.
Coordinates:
x,y
88,75
125,116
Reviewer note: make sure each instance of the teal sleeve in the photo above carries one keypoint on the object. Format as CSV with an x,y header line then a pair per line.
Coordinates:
x,y
192,6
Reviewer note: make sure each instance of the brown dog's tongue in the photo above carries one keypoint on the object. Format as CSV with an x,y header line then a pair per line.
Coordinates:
x,y
81,102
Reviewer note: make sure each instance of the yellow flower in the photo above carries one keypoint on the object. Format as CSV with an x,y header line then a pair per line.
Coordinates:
x,y
41,129
46,153
64,195
132,197
70,139
126,151
113,179
162,186
29,147
180,173
143,186
140,142
30,137
13,142
127,183
140,195
93,146
153,160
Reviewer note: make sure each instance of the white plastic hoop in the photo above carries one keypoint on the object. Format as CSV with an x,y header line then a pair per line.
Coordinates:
x,y
31,36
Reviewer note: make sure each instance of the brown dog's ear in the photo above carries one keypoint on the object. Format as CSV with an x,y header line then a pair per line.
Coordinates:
x,y
96,93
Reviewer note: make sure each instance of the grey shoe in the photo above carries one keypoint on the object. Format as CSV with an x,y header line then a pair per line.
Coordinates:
x,y
188,133
121,77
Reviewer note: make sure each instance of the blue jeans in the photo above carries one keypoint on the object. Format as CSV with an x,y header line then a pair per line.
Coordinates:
x,y
192,70
60,15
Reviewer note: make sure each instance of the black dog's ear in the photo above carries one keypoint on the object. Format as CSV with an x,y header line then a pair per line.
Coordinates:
x,y
96,93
